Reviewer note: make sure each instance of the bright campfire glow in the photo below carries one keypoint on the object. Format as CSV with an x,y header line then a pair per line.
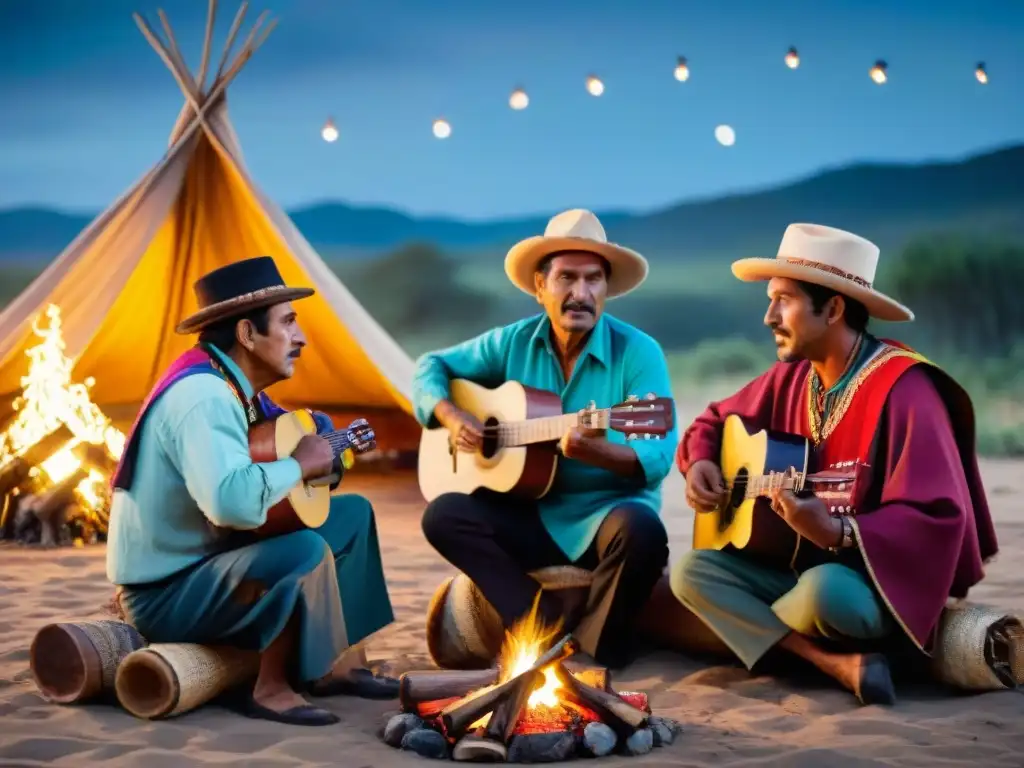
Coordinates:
x,y
50,399
524,643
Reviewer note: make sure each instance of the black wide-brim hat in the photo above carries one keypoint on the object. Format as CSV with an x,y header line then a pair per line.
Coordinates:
x,y
237,288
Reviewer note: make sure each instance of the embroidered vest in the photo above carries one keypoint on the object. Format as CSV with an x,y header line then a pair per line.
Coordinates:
x,y
849,432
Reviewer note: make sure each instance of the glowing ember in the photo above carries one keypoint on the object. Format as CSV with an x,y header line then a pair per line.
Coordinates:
x,y
50,399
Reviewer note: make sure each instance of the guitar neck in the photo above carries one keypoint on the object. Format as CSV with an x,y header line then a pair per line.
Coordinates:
x,y
541,430
824,487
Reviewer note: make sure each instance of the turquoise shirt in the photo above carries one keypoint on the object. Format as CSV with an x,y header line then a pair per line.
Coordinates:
x,y
618,360
193,469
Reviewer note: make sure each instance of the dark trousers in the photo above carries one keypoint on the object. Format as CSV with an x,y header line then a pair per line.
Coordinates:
x,y
496,540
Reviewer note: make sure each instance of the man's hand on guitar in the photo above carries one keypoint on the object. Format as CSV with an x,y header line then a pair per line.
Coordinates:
x,y
315,456
576,438
705,489
465,429
809,517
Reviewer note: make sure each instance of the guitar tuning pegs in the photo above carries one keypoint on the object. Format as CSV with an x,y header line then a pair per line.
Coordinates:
x,y
631,436
650,396
632,399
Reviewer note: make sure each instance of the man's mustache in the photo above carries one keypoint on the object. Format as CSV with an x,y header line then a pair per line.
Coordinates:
x,y
778,330
577,306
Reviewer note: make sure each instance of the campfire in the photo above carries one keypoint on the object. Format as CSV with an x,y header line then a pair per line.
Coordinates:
x,y
537,705
57,452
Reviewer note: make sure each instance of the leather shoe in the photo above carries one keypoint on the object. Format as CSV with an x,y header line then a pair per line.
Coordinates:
x,y
875,681
360,682
305,714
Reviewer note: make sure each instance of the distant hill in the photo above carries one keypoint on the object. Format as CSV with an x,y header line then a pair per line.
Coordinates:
x,y
886,202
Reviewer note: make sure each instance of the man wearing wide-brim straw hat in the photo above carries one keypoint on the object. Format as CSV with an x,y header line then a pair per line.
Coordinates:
x,y
187,495
602,512
876,571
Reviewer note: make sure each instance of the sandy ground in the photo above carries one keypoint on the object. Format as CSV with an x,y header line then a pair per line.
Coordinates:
x,y
728,716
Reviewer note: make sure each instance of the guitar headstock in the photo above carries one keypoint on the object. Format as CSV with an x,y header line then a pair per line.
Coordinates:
x,y
361,436
650,419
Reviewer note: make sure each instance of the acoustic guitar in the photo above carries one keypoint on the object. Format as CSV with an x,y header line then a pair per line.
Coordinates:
x,y
308,504
522,428
753,466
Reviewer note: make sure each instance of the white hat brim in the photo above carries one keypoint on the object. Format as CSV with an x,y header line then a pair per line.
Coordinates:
x,y
877,304
628,268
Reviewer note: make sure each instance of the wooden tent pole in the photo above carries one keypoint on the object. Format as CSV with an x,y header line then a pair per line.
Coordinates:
x,y
204,62
232,34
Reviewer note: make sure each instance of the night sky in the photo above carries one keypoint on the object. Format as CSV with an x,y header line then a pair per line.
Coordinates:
x,y
88,106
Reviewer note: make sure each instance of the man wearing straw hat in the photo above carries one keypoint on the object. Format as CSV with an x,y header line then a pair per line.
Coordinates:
x,y
186,491
865,578
602,513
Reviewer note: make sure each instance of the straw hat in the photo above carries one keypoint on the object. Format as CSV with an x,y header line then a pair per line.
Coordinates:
x,y
575,230
829,257
237,288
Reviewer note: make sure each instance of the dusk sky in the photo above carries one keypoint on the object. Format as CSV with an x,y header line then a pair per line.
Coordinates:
x,y
88,105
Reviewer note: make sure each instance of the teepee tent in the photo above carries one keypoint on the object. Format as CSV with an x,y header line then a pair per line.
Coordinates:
x,y
125,282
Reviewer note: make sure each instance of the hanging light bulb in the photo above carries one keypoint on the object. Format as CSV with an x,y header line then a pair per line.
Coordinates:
x,y
981,73
519,99
594,86
329,132
879,72
725,135
442,129
792,58
682,70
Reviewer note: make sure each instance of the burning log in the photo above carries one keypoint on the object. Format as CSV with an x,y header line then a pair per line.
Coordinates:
x,y
619,715
50,508
457,717
417,688
16,471
428,692
488,744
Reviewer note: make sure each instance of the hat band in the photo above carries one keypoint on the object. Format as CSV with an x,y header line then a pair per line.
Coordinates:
x,y
246,298
827,268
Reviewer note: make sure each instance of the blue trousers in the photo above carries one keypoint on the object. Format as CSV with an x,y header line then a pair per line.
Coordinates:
x,y
752,607
331,579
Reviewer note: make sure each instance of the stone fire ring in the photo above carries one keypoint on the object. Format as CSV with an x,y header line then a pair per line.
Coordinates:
x,y
410,732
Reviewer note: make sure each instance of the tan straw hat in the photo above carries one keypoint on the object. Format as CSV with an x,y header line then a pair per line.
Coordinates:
x,y
575,230
829,257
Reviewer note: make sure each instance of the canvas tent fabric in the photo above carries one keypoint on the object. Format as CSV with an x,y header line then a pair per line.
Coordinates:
x,y
124,284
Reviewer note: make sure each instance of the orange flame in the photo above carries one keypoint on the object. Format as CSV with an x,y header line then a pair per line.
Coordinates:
x,y
48,400
524,643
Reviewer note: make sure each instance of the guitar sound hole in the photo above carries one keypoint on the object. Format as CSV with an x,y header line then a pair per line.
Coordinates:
x,y
490,444
736,496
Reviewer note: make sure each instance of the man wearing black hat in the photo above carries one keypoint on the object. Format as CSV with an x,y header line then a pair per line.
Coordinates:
x,y
187,491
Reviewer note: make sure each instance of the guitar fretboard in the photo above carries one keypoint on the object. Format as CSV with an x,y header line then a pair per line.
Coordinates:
x,y
540,430
763,485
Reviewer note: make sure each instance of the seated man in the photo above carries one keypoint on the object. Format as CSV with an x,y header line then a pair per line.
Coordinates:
x,y
602,511
919,530
187,496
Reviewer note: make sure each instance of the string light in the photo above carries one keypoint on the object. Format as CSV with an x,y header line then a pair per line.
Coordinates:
x,y
879,73
792,58
682,71
329,132
442,129
594,86
519,99
725,135
981,73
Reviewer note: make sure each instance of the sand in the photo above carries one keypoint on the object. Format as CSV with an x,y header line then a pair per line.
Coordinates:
x,y
729,717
